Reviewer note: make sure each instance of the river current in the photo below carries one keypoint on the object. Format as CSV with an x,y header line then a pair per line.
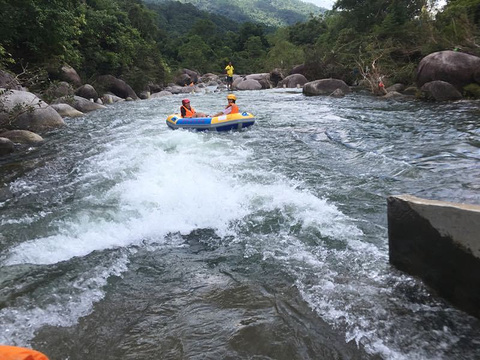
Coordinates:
x,y
123,239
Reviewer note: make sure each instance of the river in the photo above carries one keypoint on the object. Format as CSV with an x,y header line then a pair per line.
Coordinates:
x,y
123,239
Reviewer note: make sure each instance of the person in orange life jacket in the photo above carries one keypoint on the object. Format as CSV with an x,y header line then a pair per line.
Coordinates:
x,y
20,353
188,111
231,108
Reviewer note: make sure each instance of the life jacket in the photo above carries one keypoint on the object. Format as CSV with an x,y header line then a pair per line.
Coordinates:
x,y
234,108
19,353
188,112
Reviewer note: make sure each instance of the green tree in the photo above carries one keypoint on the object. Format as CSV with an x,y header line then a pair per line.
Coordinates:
x,y
283,54
248,30
5,58
195,54
459,25
40,31
307,33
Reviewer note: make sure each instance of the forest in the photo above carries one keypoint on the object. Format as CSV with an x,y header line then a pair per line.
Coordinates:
x,y
146,43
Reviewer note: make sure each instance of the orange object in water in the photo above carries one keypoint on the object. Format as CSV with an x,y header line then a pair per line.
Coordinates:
x,y
19,353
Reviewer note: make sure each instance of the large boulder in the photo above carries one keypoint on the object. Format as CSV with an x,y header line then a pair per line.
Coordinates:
x,y
25,111
393,95
192,74
293,81
263,79
249,84
109,83
153,88
22,136
65,73
175,89
440,91
299,69
81,104
276,75
456,68
144,95
183,80
58,89
87,91
6,146
325,87
160,94
237,79
396,87
110,98
337,93
66,110
411,90
8,81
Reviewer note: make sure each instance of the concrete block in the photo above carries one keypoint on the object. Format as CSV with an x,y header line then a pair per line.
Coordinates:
x,y
438,242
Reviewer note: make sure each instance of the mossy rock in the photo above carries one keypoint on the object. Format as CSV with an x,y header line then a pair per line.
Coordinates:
x,y
472,91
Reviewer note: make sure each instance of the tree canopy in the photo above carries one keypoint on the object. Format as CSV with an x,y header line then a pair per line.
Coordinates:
x,y
145,43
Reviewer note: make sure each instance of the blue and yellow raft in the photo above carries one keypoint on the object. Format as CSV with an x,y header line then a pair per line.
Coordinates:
x,y
228,122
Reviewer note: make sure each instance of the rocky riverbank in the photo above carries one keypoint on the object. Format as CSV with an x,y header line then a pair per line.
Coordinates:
x,y
24,116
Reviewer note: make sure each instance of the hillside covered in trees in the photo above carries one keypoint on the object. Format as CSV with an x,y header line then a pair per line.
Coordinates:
x,y
272,13
146,43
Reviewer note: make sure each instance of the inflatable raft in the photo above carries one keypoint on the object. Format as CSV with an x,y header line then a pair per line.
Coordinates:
x,y
228,122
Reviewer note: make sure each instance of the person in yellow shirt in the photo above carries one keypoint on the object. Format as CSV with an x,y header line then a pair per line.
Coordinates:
x,y
229,71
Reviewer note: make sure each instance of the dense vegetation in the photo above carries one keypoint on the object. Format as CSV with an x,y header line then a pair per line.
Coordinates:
x,y
144,45
123,38
270,13
389,37
205,42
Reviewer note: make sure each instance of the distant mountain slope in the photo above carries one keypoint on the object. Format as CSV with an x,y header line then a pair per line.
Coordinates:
x,y
175,18
268,12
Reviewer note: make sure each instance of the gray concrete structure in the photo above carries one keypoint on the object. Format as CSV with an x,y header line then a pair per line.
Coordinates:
x,y
440,243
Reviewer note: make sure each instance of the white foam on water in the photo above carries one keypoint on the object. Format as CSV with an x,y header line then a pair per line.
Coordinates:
x,y
136,191
144,190
351,290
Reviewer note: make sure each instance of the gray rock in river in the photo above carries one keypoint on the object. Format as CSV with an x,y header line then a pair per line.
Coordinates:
x,y
25,111
87,91
66,110
22,136
109,83
8,81
293,81
248,84
456,68
440,91
325,87
79,103
6,146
